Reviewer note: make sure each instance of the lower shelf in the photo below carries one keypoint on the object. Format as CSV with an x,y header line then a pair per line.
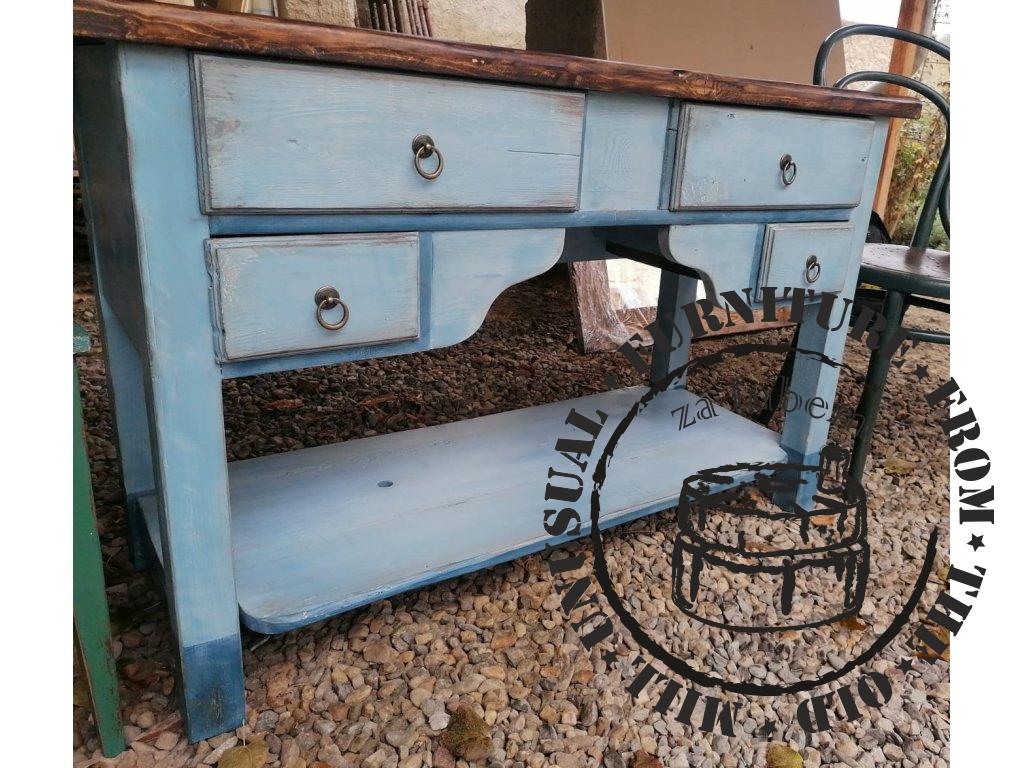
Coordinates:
x,y
323,530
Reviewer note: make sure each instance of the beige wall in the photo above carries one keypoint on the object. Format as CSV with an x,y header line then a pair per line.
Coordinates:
x,y
768,39
326,11
494,22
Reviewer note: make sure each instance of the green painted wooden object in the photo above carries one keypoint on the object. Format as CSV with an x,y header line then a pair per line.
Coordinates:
x,y
92,624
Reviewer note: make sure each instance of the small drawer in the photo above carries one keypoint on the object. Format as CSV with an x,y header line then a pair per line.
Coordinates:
x,y
281,136
815,256
733,158
265,292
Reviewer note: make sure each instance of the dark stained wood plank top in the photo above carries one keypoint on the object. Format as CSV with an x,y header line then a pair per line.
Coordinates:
x,y
201,29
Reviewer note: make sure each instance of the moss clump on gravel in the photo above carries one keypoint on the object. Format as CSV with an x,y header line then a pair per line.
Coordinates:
x,y
467,735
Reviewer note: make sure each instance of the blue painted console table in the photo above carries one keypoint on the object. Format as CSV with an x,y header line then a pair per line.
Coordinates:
x,y
267,195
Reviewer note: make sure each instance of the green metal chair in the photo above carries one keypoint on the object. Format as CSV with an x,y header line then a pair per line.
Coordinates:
x,y
901,276
92,622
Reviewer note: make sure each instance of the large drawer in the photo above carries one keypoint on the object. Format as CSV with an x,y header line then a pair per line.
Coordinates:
x,y
265,290
812,256
734,158
281,136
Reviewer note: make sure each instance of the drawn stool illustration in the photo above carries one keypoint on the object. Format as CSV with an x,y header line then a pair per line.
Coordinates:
x,y
785,567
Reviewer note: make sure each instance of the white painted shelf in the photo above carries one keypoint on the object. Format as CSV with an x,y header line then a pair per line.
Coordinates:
x,y
323,530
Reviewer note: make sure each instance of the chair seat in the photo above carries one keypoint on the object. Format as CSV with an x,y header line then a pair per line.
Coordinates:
x,y
920,271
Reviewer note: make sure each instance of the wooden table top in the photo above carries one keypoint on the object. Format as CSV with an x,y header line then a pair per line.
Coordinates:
x,y
201,29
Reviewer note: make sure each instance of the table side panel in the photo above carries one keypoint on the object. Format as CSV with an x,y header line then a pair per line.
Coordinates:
x,y
102,150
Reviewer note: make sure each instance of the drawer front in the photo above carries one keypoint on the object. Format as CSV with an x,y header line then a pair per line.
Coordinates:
x,y
791,251
279,136
732,158
264,289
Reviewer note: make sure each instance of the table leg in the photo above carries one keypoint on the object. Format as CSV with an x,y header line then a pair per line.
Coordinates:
x,y
183,388
195,538
675,291
126,384
806,429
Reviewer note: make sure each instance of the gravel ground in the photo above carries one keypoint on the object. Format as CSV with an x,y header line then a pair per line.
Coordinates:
x,y
375,687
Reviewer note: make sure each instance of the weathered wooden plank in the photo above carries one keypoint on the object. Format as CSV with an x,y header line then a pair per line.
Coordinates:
x,y
328,223
730,158
264,291
283,136
398,511
201,29
725,256
625,150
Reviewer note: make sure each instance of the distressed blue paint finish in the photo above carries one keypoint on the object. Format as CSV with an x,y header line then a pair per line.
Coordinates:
x,y
264,291
266,224
725,256
674,292
461,273
623,152
787,247
802,436
321,530
182,382
276,135
729,158
311,533
112,239
470,269
215,697
107,190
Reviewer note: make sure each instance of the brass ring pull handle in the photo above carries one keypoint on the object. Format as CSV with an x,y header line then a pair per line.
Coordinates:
x,y
788,168
812,271
326,299
424,148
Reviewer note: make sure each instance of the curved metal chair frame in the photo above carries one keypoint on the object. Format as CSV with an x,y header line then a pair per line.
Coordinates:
x,y
898,290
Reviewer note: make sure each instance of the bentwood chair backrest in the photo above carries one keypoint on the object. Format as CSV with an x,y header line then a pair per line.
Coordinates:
x,y
937,198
